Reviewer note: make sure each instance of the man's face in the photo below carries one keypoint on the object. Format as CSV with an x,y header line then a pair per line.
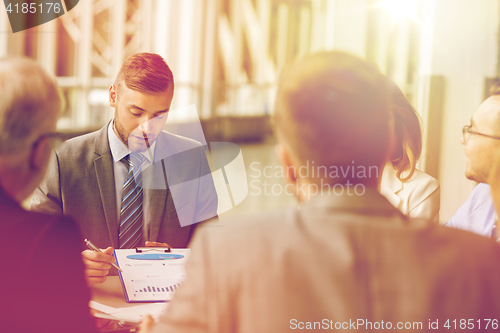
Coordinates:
x,y
139,117
480,150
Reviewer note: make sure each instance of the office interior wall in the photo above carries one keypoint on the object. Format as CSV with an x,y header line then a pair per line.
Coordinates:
x,y
227,55
462,48
3,33
439,53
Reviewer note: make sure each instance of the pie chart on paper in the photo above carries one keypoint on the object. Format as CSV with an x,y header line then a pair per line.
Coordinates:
x,y
155,256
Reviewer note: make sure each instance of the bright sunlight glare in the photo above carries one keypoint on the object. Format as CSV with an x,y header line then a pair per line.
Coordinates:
x,y
399,9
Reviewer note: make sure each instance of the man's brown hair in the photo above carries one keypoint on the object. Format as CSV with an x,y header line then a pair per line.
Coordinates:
x,y
332,110
146,73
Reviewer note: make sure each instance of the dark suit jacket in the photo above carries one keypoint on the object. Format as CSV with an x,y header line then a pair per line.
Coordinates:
x,y
178,189
43,288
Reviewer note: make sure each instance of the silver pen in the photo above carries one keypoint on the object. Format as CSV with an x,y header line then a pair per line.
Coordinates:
x,y
94,248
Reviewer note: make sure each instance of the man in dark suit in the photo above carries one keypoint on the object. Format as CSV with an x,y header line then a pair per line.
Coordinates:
x,y
130,183
42,274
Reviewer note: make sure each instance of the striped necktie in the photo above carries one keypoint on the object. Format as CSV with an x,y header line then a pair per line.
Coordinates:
x,y
131,211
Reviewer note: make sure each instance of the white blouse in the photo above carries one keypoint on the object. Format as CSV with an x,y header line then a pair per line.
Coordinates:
x,y
415,198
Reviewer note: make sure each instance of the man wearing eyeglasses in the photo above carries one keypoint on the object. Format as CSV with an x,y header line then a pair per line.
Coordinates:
x,y
481,140
42,274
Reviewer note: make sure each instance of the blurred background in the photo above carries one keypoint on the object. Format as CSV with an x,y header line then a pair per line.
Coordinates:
x,y
226,56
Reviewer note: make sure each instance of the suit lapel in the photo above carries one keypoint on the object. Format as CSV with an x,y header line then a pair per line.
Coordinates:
x,y
104,170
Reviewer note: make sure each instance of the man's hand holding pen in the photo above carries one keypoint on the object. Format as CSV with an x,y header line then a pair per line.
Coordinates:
x,y
97,265
98,262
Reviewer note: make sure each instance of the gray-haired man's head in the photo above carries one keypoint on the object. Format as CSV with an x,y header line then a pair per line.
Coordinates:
x,y
29,108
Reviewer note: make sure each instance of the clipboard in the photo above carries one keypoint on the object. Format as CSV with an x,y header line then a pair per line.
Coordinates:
x,y
151,275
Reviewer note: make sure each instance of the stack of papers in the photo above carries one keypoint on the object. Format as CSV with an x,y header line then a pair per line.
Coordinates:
x,y
132,314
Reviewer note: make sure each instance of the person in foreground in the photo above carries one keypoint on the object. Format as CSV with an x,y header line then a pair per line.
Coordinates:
x,y
130,183
42,275
343,257
481,140
413,192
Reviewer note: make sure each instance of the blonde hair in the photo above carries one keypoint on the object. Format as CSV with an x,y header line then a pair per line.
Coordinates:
x,y
28,95
407,133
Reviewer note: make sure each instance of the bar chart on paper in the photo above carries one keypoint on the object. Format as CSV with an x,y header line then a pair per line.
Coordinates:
x,y
151,277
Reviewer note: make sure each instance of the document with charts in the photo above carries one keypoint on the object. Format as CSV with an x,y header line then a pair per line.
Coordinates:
x,y
152,275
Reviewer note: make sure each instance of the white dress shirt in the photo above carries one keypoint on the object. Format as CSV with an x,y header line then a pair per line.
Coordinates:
x,y
119,150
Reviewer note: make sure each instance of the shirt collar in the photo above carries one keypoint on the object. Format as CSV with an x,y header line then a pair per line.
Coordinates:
x,y
119,150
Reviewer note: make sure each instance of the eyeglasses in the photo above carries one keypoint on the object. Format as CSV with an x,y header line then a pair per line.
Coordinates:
x,y
466,132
